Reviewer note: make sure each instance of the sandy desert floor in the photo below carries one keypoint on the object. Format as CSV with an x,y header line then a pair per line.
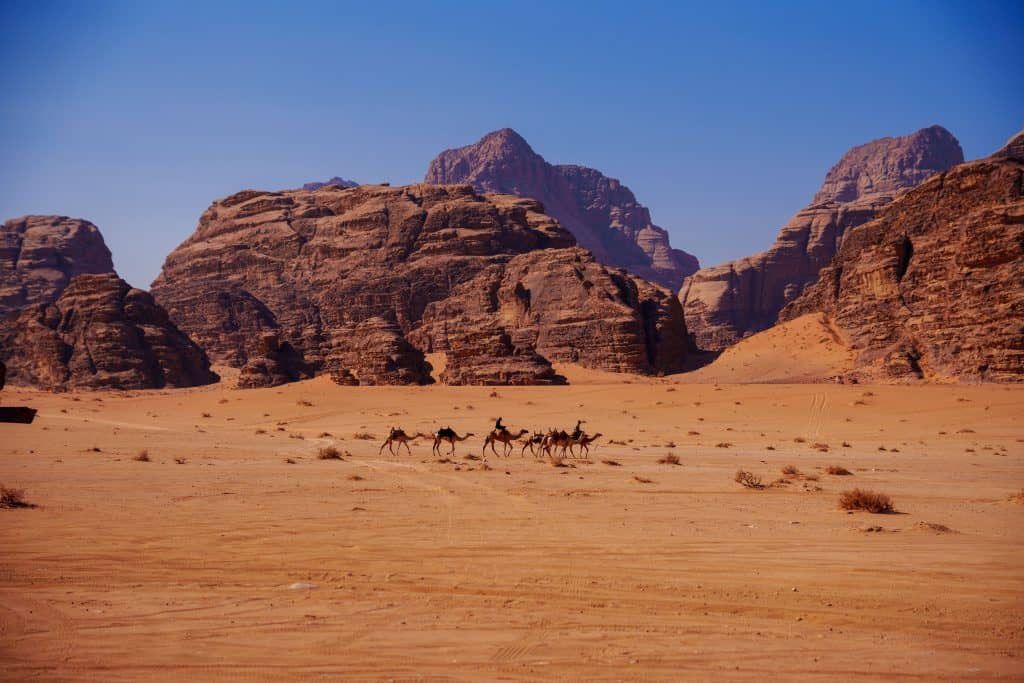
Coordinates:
x,y
234,563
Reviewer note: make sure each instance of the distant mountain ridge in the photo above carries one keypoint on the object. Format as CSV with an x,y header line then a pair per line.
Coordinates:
x,y
601,213
336,180
727,302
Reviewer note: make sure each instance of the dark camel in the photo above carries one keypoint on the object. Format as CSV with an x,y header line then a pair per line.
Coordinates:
x,y
536,440
448,434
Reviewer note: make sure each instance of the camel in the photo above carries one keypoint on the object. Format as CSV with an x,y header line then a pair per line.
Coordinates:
x,y
555,439
536,440
584,443
448,434
506,437
403,439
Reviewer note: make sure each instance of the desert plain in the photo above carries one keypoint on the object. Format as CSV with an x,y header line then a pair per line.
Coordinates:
x,y
235,552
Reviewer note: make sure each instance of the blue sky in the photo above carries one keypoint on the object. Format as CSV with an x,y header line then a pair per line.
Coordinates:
x,y
721,117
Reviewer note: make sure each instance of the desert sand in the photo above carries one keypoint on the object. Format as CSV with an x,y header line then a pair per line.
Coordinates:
x,y
234,563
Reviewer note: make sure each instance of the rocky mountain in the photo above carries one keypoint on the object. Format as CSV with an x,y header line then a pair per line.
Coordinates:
x,y
39,255
933,286
340,182
724,303
99,334
599,211
363,282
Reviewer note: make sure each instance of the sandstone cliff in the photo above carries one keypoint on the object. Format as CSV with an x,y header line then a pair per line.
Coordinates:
x,y
600,212
361,282
933,287
39,255
724,303
336,180
99,334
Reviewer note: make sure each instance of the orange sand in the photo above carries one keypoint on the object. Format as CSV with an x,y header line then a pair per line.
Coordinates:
x,y
238,565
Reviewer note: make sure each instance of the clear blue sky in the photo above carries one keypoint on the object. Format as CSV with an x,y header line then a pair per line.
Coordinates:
x,y
722,117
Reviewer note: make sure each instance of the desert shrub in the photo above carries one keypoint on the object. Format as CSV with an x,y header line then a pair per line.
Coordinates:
x,y
143,456
693,432
354,477
642,480
791,471
859,499
328,453
823,447
669,459
364,436
180,461
838,471
723,444
323,435
748,479
289,461
304,403
614,463
13,498
799,439
207,415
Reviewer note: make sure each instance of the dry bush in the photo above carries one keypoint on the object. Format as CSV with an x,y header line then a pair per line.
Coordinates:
x,y
444,461
261,431
642,480
493,394
723,444
859,499
799,439
207,415
811,477
670,444
328,453
868,393
614,463
222,401
669,459
791,471
823,447
296,436
354,477
769,448
180,461
748,479
323,435
364,436
1018,497
304,403
289,461
13,498
693,432
846,444
143,456
838,471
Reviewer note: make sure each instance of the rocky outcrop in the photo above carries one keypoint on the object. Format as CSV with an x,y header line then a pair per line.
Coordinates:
x,y
362,282
337,181
273,363
39,255
100,334
933,287
724,303
599,211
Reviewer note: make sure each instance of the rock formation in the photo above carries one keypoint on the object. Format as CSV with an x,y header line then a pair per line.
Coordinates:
x,y
39,255
99,334
724,303
362,282
600,212
340,182
933,287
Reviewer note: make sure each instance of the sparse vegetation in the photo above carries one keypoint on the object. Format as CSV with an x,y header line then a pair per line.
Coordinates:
x,y
693,432
11,499
670,444
748,479
822,447
304,403
616,443
323,435
143,456
328,453
791,471
180,461
860,499
289,461
364,436
261,431
838,471
799,439
723,444
669,459
354,477
613,463
642,480
207,415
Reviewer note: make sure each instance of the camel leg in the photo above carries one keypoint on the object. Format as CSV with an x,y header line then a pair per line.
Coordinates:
x,y
452,442
382,446
407,449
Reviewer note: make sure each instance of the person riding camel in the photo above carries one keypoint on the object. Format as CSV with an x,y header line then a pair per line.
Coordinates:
x,y
578,432
498,427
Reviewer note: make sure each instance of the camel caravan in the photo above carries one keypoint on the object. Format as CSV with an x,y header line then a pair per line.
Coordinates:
x,y
553,442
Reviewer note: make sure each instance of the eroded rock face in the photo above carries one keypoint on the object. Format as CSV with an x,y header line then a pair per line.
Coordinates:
x,y
39,255
336,180
362,282
599,211
933,287
100,334
724,303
